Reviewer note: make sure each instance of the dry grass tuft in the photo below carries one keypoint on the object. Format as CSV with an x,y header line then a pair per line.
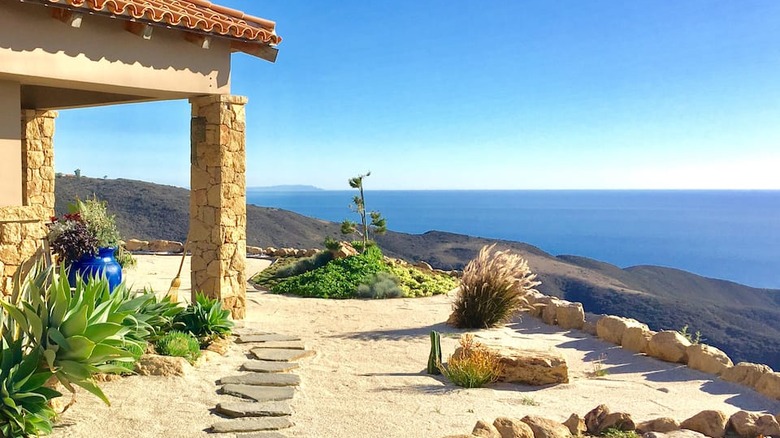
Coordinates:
x,y
491,288
473,366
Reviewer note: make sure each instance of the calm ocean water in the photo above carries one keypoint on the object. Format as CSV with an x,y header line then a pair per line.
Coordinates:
x,y
733,235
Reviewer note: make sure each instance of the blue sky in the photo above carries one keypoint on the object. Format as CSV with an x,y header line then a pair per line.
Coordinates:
x,y
503,94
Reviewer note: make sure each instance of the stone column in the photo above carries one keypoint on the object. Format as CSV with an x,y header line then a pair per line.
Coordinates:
x,y
218,200
23,228
38,159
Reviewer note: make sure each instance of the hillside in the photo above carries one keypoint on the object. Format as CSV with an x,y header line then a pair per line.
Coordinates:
x,y
743,321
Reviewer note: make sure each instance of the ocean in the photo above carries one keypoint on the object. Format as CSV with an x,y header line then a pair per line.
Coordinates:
x,y
731,235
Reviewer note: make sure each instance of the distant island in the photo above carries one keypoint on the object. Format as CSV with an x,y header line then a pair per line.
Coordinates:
x,y
285,188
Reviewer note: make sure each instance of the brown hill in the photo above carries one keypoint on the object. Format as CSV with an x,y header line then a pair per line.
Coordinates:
x,y
743,321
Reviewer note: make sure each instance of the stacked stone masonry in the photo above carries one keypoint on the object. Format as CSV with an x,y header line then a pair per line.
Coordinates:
x,y
23,228
218,200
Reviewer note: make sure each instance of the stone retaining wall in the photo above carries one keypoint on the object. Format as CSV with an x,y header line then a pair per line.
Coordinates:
x,y
667,345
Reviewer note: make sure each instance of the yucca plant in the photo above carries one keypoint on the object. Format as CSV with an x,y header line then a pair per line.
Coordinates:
x,y
205,319
491,288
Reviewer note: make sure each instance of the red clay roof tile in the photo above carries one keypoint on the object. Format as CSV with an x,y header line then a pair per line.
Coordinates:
x,y
197,15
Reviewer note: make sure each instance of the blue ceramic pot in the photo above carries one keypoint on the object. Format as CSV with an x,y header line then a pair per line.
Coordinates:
x,y
104,264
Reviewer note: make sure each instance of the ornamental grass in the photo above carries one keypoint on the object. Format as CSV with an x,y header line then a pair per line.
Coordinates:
x,y
473,365
491,288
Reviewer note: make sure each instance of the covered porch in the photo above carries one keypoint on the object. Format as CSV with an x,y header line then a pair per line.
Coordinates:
x,y
56,55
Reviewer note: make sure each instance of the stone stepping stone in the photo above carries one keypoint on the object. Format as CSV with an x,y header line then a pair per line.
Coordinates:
x,y
262,435
284,345
260,379
280,355
271,337
265,366
259,393
252,424
255,409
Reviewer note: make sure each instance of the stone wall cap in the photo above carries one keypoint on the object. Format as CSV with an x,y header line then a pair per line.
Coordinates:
x,y
24,213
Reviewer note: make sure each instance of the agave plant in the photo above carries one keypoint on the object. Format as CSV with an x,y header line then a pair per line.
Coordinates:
x,y
24,410
76,333
205,318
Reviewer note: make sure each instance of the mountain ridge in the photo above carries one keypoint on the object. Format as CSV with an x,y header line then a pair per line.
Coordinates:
x,y
741,320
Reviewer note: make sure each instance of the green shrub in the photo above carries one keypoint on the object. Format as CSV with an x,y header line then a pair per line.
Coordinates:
x,y
205,319
416,283
474,366
491,288
290,267
179,344
338,279
380,285
694,338
614,432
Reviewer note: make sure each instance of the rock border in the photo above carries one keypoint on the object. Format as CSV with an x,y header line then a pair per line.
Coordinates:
x,y
666,345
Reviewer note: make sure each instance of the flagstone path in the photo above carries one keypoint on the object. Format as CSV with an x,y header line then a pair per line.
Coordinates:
x,y
257,403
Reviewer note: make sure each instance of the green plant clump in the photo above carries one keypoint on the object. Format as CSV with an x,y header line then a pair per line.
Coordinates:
x,y
338,279
491,288
290,267
416,283
693,338
380,285
179,344
614,432
24,410
205,319
474,366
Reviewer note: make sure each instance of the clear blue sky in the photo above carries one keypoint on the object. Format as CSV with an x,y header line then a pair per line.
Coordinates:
x,y
503,94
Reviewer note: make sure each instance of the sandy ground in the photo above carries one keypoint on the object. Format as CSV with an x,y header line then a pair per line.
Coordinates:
x,y
368,377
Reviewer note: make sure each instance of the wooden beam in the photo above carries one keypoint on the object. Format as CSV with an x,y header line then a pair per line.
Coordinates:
x,y
72,19
142,30
202,41
262,51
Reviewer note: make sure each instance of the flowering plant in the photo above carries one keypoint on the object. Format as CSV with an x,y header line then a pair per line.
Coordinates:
x,y
83,230
70,238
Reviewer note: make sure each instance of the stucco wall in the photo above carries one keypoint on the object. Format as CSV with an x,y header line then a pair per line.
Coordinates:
x,y
36,49
10,145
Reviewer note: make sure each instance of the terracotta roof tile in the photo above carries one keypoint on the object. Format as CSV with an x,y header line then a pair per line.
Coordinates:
x,y
196,15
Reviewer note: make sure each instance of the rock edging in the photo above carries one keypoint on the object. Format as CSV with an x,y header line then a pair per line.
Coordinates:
x,y
666,345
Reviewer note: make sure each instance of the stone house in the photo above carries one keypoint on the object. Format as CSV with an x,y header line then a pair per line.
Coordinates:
x,y
59,54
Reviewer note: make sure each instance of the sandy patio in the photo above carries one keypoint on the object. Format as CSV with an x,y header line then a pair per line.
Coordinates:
x,y
368,377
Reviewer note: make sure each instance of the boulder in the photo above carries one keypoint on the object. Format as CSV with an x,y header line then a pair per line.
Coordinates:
x,y
537,309
512,428
663,424
300,253
254,250
744,424
669,346
550,312
312,252
344,250
155,365
423,266
595,417
711,423
767,425
270,251
570,315
576,425
636,338
166,246
544,428
534,296
617,420
531,367
589,327
485,429
682,433
137,245
611,328
708,359
745,373
769,385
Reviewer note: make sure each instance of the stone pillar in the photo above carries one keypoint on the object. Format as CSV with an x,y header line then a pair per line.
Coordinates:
x,y
38,159
23,228
218,200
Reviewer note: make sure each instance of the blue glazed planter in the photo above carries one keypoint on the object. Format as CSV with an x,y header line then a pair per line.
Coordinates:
x,y
104,264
